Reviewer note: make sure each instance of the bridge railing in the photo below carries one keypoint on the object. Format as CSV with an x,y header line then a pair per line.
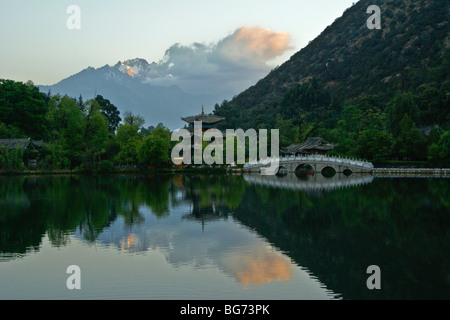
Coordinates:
x,y
312,158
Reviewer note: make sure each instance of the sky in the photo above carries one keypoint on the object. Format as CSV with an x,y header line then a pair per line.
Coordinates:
x,y
195,36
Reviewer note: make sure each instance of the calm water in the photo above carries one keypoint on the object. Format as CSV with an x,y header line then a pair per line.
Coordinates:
x,y
224,237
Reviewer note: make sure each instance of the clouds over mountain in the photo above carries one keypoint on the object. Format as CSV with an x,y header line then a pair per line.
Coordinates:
x,y
187,77
225,67
252,47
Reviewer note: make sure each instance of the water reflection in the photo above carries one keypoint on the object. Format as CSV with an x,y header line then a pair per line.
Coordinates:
x,y
310,182
257,265
246,228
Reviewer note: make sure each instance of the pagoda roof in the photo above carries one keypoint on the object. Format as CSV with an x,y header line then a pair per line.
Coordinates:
x,y
310,144
204,118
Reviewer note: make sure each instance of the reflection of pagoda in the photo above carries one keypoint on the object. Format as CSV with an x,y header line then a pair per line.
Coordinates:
x,y
208,121
205,206
204,213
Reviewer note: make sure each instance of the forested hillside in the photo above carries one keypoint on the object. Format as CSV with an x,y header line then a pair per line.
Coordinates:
x,y
377,93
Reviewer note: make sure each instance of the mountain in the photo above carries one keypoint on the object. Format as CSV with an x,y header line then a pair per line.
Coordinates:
x,y
127,85
348,61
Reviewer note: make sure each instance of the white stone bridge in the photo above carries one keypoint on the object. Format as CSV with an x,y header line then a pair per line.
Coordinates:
x,y
315,162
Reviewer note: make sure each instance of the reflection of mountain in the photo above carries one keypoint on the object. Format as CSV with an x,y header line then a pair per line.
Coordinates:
x,y
219,242
252,233
317,182
227,245
400,226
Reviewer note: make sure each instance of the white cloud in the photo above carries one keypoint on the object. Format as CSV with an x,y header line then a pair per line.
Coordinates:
x,y
224,68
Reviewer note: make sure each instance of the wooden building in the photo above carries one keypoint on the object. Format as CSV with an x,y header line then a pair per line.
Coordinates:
x,y
309,147
31,149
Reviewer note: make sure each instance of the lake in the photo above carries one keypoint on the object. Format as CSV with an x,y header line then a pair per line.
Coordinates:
x,y
200,236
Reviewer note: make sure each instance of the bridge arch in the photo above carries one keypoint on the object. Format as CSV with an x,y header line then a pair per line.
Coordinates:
x,y
303,170
304,167
328,171
282,171
347,172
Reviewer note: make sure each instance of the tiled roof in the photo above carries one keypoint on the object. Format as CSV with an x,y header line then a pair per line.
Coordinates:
x,y
206,119
309,145
14,143
21,143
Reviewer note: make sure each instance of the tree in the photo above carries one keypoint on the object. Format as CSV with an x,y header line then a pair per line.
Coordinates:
x,y
133,120
10,132
67,125
96,133
439,153
110,111
24,107
307,98
155,148
374,145
56,156
289,132
402,104
410,141
128,139
12,158
80,103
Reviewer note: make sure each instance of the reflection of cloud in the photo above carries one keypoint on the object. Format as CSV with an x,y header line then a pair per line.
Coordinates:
x,y
128,243
258,266
225,244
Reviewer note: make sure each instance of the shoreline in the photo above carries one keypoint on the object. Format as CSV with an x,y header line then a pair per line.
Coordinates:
x,y
111,172
411,172
376,172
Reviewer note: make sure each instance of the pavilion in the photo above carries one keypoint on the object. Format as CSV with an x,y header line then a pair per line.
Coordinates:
x,y
309,147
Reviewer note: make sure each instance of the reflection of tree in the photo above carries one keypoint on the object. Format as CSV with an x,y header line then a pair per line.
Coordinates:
x,y
400,225
60,205
155,192
213,196
131,214
135,192
233,192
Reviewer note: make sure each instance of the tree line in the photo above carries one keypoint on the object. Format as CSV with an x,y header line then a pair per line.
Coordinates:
x,y
77,134
91,135
409,126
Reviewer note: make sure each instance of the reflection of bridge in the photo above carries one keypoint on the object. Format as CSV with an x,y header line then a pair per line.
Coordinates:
x,y
316,182
316,162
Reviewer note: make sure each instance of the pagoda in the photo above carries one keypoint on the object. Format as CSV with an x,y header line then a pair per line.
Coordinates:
x,y
209,121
